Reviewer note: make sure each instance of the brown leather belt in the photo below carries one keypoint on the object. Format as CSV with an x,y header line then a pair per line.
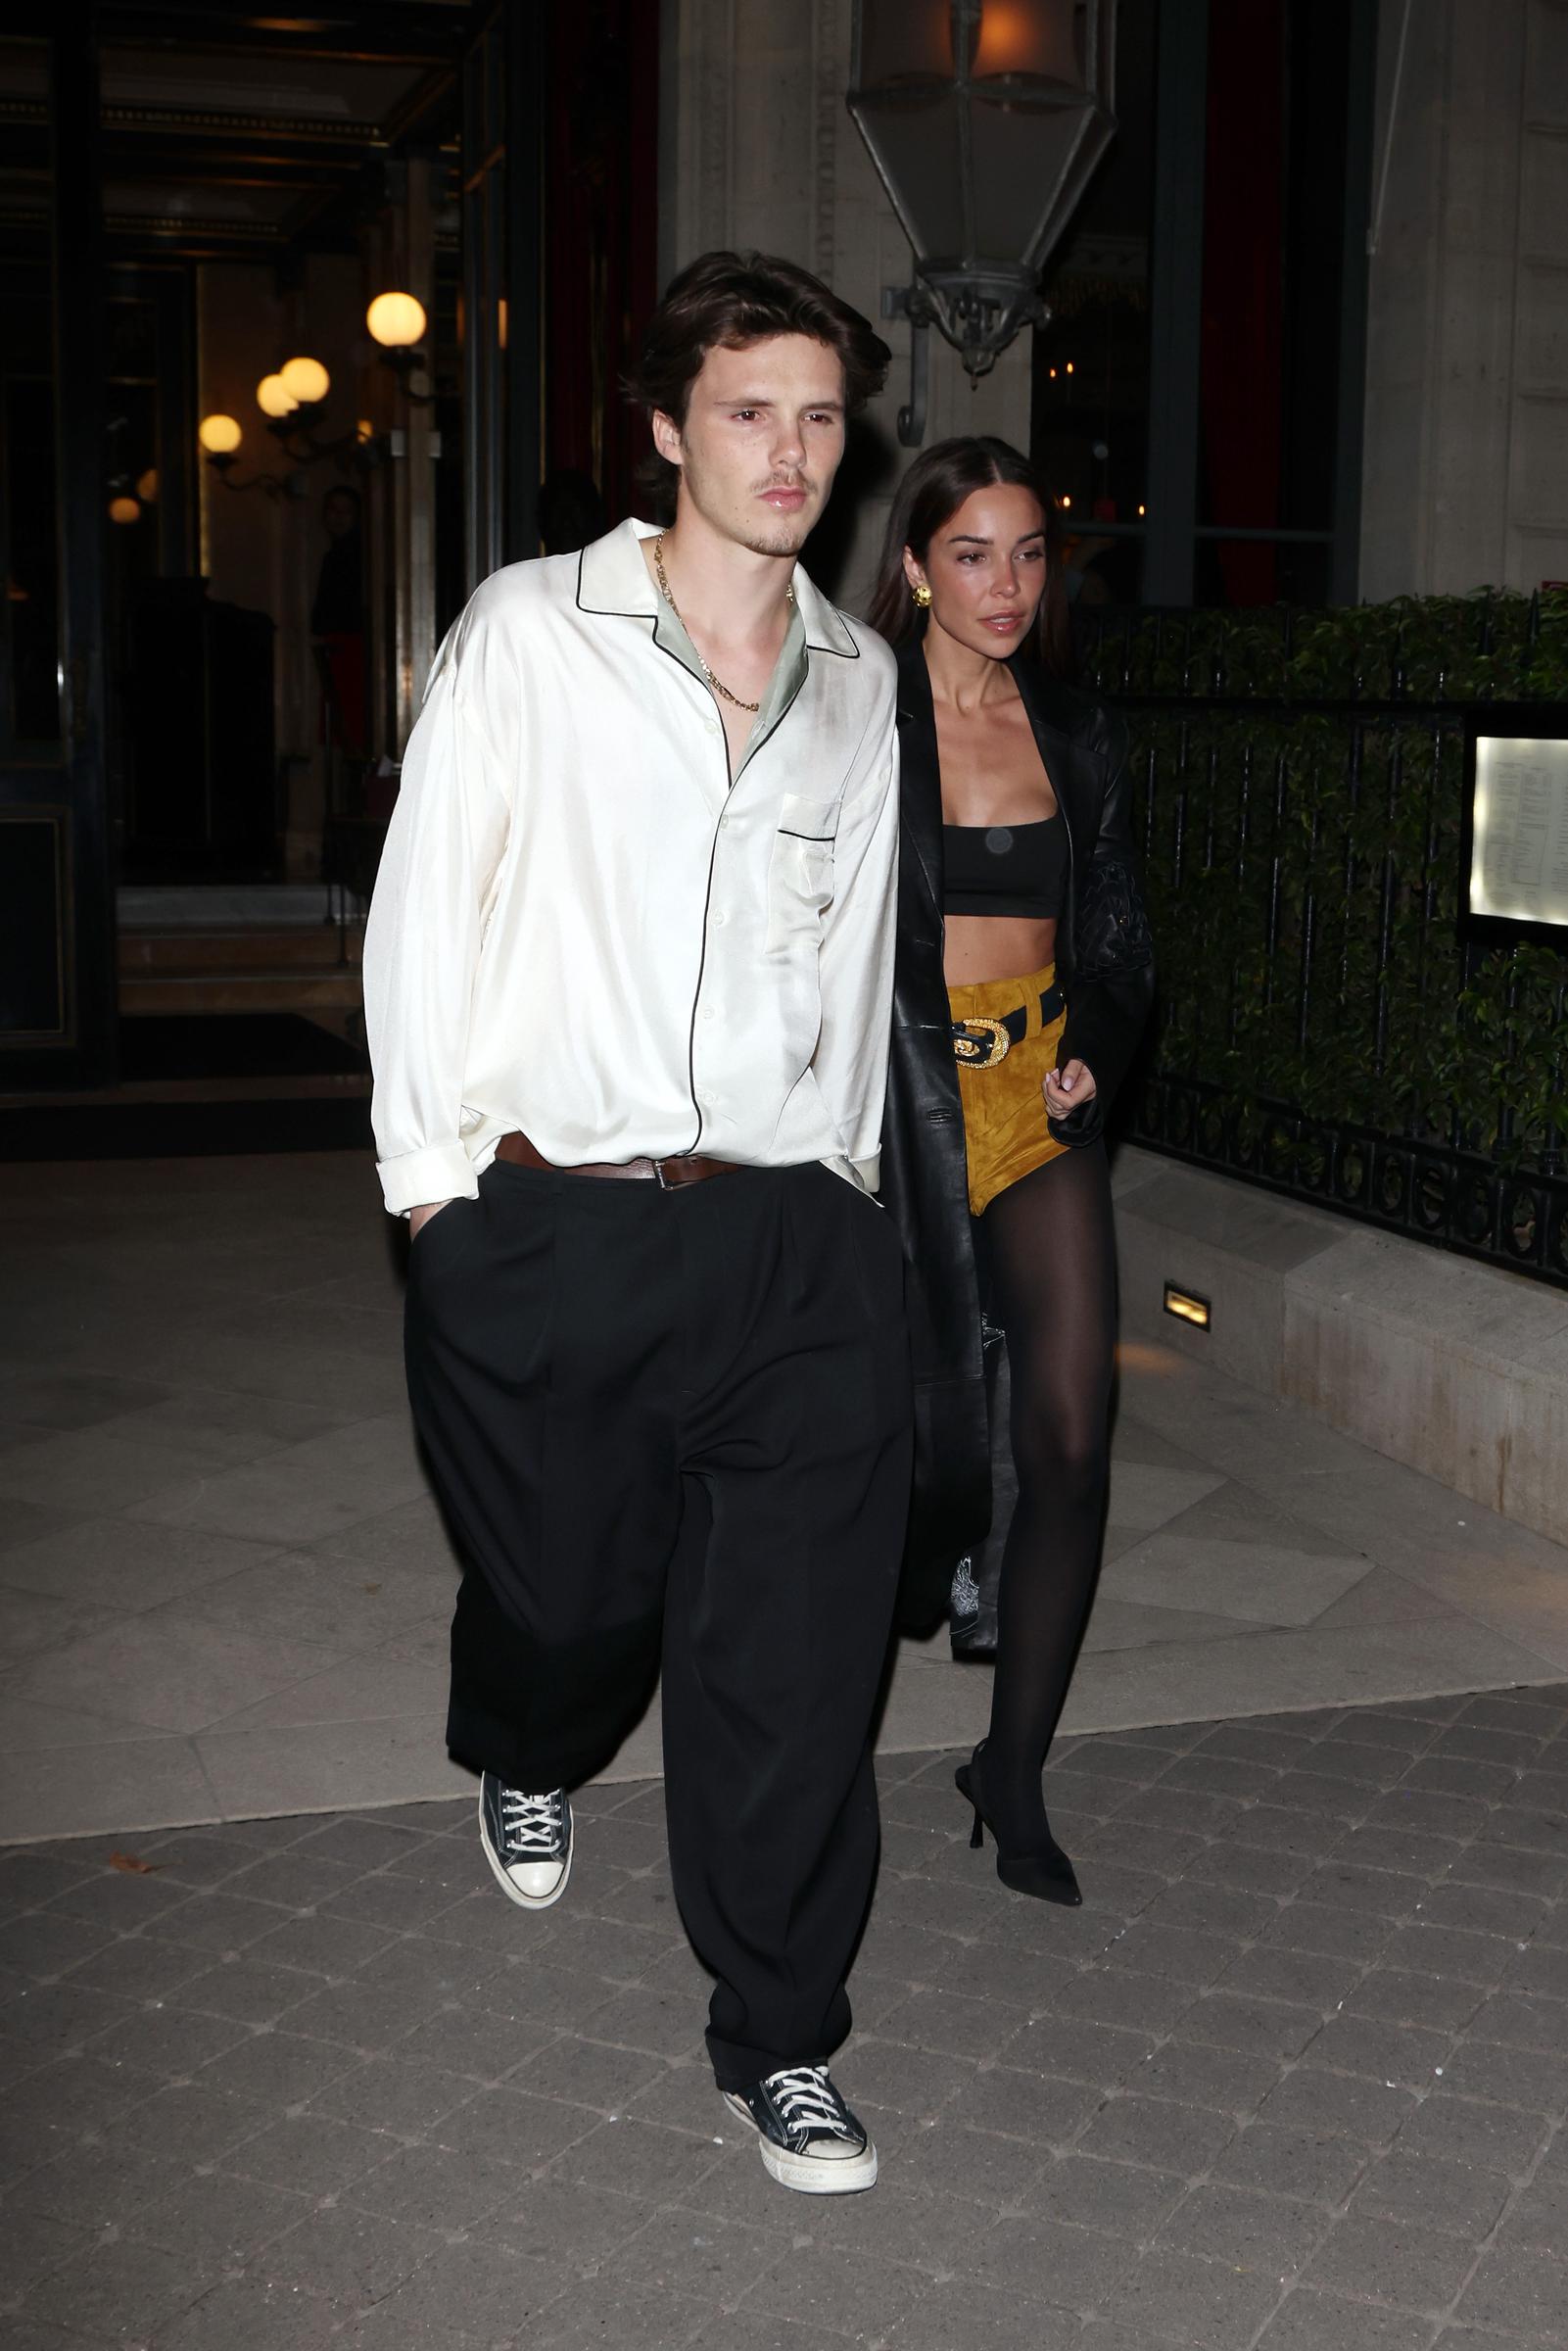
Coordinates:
x,y
670,1174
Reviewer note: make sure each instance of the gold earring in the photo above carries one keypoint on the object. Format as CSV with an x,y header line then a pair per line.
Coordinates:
x,y
922,596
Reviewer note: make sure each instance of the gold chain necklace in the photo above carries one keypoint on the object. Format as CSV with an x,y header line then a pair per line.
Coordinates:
x,y
717,684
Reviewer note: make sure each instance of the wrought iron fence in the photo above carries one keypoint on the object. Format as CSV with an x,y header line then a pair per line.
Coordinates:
x,y
1323,1029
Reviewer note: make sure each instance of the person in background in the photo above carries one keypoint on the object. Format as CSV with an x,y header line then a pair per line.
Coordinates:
x,y
1024,979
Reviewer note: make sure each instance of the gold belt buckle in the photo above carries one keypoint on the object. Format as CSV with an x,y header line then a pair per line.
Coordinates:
x,y
984,1035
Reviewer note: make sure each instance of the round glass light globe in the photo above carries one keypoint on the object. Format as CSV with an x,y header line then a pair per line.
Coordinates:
x,y
147,487
395,321
304,380
274,396
219,436
124,509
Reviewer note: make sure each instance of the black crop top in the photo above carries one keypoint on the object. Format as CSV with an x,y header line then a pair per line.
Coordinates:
x,y
1006,869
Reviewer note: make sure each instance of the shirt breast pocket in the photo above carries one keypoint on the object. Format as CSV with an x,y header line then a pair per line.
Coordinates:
x,y
800,869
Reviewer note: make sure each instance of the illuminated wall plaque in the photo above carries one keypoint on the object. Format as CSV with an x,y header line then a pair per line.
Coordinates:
x,y
1515,848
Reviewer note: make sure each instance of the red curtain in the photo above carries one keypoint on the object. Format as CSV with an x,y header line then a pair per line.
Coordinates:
x,y
1243,294
601,210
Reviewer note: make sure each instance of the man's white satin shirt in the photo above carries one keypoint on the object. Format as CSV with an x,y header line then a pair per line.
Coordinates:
x,y
583,928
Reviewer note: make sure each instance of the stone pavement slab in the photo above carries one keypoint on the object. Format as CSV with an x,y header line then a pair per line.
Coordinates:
x,y
225,1588
1295,2078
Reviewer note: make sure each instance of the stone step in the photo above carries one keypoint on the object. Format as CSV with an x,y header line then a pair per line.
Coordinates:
x,y
239,948
239,991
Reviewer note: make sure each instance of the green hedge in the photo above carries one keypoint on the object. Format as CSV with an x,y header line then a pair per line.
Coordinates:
x,y
1271,808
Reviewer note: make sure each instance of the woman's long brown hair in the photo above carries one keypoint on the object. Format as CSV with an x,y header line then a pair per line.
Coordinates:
x,y
930,495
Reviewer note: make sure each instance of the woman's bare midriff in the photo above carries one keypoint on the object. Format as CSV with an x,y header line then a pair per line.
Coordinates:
x,y
995,946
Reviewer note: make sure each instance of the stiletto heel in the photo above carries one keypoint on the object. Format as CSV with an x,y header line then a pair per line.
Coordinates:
x,y
1047,1875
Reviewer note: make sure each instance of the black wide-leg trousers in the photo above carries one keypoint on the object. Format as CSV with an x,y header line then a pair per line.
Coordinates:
x,y
679,1423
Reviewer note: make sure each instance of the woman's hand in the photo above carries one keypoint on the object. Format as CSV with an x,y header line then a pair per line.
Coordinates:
x,y
1068,1089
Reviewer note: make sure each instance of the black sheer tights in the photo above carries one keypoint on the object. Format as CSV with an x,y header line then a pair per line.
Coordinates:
x,y
1048,1263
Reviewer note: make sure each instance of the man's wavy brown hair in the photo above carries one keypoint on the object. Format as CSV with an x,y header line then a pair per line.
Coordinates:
x,y
728,301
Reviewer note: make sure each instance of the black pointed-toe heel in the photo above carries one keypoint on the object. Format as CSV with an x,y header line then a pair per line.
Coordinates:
x,y
1046,1874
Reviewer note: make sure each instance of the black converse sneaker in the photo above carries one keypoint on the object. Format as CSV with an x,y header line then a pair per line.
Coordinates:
x,y
527,1841
806,2134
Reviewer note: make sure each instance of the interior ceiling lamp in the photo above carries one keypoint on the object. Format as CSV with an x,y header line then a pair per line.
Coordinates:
x,y
398,322
984,120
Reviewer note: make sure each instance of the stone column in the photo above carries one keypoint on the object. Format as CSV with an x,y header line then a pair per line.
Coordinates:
x,y
1466,474
757,149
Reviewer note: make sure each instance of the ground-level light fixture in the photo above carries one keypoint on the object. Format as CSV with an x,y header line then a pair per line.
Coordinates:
x,y
984,120
1187,1307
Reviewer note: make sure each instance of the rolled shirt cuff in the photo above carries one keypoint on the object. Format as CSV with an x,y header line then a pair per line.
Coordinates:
x,y
439,1172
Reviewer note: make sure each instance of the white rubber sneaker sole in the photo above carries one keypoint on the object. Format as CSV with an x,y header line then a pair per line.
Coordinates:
x,y
515,1894
810,2175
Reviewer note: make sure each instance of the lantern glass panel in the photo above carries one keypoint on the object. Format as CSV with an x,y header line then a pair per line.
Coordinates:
x,y
905,39
916,150
1026,171
1031,37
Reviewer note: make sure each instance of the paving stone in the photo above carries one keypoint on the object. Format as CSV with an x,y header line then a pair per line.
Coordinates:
x,y
1536,2078
1064,2267
348,2254
952,2024
121,2289
1345,2105
1197,2075
436,2187
93,2188
1520,2291
1078,2051
1126,2200
1203,2303
1265,2236
982,2317
253,2314
1498,2138
383,2095
1303,2163
1393,2261
1388,1991
1306,1979
308,2152
1309,2321
1038,2108
1404,2055
36,2245
982,2167
1255,2027
188,2123
1167,2137
217,2219
1434,2194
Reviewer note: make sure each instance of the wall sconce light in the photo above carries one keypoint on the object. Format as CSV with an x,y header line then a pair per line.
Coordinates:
x,y
397,323
1187,1307
124,509
306,381
984,120
274,396
221,435
147,487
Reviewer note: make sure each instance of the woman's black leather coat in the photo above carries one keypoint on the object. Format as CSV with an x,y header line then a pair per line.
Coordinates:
x,y
1105,962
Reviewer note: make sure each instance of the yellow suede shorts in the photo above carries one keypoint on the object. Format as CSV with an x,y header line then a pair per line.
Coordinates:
x,y
1005,1130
